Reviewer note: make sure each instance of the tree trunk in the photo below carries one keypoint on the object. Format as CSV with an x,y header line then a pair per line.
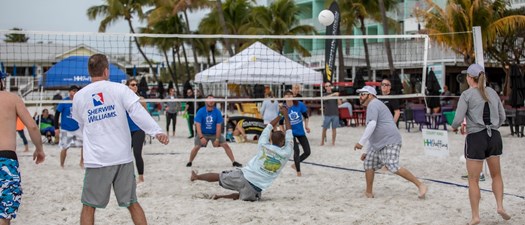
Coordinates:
x,y
140,50
173,75
186,60
196,61
387,41
365,46
222,21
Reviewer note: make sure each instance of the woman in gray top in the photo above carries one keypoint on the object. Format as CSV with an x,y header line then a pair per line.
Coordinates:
x,y
484,113
172,108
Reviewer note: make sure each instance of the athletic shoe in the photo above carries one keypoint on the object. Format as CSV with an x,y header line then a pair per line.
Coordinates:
x,y
481,178
188,164
236,164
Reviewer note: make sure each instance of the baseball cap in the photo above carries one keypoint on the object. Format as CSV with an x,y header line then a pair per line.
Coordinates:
x,y
368,89
473,70
74,88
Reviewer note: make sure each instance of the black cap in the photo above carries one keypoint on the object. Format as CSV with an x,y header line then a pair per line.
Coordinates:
x,y
74,88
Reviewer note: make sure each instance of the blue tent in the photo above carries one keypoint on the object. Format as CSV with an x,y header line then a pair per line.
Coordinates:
x,y
74,71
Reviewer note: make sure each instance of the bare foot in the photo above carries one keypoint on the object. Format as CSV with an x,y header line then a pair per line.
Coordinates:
x,y
333,143
293,167
503,214
26,149
81,165
473,222
215,197
322,143
369,195
299,174
422,191
193,175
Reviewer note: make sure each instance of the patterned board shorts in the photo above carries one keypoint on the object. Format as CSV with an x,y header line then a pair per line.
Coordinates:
x,y
70,139
387,156
10,188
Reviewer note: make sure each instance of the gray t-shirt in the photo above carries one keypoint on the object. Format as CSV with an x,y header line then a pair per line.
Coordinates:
x,y
173,107
331,107
386,132
471,104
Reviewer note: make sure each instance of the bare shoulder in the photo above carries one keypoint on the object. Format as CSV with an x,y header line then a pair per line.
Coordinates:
x,y
9,98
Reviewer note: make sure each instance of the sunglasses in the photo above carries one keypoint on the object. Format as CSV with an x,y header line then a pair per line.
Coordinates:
x,y
363,93
385,85
133,84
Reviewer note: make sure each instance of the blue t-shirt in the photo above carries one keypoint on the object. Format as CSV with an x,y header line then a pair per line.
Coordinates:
x,y
132,125
208,120
67,121
295,112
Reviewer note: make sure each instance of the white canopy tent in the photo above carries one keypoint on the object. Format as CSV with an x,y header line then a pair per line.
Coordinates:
x,y
259,64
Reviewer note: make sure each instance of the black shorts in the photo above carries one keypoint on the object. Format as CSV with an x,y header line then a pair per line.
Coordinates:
x,y
480,146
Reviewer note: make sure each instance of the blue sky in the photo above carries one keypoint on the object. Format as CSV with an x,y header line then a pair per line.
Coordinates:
x,y
59,15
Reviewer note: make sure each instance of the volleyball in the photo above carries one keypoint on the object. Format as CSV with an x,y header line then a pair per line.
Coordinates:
x,y
326,17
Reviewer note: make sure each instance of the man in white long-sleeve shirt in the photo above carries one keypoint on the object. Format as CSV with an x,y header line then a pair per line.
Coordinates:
x,y
100,110
384,142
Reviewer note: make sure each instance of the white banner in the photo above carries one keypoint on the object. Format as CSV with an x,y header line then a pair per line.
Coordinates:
x,y
435,142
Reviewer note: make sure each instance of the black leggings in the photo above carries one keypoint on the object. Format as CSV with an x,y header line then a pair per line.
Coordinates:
x,y
306,148
137,141
191,121
23,136
169,118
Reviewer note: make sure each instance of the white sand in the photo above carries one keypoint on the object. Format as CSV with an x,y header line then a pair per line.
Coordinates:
x,y
322,196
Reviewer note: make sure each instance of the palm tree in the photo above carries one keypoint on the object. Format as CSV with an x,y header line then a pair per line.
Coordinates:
x,y
16,38
280,18
362,10
114,10
170,25
236,16
452,26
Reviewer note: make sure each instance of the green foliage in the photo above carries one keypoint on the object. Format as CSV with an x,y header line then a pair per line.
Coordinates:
x,y
16,38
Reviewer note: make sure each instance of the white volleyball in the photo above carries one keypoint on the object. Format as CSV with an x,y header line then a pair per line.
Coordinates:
x,y
326,17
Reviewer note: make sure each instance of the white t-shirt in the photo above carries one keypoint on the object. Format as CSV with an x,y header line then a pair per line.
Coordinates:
x,y
100,110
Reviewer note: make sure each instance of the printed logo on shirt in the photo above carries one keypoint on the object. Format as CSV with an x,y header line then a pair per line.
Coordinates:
x,y
98,99
209,122
103,111
294,117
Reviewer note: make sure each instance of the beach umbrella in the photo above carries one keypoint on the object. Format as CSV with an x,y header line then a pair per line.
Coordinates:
x,y
517,87
134,71
433,89
14,69
34,70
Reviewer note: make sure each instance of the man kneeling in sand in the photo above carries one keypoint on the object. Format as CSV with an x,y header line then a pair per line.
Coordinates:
x,y
385,142
262,169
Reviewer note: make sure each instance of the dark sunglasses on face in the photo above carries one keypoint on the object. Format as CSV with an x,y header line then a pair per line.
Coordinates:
x,y
385,85
132,84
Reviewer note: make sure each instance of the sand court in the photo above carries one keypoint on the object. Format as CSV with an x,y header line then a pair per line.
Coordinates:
x,y
329,192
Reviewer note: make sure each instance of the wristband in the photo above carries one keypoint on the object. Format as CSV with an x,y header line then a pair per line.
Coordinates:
x,y
201,137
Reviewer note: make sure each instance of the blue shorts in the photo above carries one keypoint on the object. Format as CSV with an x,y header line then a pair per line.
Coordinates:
x,y
331,121
10,188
